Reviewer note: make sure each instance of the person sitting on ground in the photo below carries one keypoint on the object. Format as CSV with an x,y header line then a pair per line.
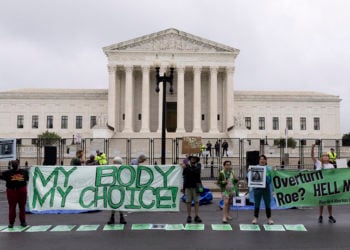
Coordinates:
x,y
117,161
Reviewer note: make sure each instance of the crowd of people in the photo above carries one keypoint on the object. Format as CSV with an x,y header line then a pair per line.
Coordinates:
x,y
16,183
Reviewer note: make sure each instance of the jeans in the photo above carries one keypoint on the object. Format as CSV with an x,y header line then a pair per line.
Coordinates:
x,y
264,193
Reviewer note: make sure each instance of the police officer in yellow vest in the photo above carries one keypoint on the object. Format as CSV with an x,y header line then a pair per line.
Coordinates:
x,y
101,158
332,157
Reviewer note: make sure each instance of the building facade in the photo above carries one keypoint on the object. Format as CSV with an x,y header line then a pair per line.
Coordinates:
x,y
204,102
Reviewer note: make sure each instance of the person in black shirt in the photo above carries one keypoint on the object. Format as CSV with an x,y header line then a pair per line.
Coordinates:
x,y
192,177
16,184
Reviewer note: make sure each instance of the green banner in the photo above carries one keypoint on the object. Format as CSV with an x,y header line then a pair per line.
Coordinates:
x,y
312,188
110,187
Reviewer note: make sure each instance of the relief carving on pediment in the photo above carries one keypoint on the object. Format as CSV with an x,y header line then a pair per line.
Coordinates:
x,y
171,42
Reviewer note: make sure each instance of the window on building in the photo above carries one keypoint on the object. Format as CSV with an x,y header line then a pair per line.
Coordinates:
x,y
302,123
139,117
64,122
49,121
275,123
218,117
248,122
261,123
79,122
289,123
203,117
317,124
93,121
35,121
20,121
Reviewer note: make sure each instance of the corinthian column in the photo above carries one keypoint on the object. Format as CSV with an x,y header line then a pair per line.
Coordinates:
x,y
229,97
180,128
128,100
197,100
213,96
112,95
145,99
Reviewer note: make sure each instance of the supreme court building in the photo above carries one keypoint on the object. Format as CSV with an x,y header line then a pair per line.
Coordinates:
x,y
204,101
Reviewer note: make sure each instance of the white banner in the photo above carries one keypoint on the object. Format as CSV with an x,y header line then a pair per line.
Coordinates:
x,y
123,188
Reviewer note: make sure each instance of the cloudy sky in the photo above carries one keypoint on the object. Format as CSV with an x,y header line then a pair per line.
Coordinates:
x,y
284,44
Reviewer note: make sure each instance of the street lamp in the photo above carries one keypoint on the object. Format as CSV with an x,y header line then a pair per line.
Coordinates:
x,y
164,79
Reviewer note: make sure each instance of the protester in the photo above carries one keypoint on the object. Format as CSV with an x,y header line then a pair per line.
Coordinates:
x,y
192,179
332,157
227,181
140,159
323,163
101,158
224,148
91,161
16,184
117,161
263,193
79,158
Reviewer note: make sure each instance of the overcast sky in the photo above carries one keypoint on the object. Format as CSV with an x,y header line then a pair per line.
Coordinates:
x,y
284,44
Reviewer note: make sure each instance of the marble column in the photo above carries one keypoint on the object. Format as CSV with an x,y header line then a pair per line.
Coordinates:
x,y
180,128
145,122
112,96
229,97
213,97
197,113
128,99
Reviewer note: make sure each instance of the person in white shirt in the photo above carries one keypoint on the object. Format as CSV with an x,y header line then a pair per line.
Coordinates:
x,y
323,163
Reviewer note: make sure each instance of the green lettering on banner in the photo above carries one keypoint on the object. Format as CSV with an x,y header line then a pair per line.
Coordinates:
x,y
141,170
64,194
132,204
165,174
44,181
67,174
37,197
102,197
132,174
162,194
110,196
142,203
82,197
105,172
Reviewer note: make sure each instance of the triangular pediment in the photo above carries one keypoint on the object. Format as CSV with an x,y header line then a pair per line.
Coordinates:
x,y
170,40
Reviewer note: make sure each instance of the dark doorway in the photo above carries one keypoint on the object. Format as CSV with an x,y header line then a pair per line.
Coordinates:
x,y
171,116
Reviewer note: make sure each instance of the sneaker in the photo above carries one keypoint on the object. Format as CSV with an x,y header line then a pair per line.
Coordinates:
x,y
224,221
270,221
229,217
255,221
10,226
320,219
122,220
197,219
111,221
189,219
331,219
23,224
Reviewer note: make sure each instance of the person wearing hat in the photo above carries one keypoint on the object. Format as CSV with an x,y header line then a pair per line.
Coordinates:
x,y
192,177
101,158
16,190
117,161
332,157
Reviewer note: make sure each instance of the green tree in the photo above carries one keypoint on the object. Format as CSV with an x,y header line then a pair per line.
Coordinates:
x,y
48,138
281,143
346,139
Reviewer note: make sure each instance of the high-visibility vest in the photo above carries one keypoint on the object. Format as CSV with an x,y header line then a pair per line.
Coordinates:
x,y
332,156
101,159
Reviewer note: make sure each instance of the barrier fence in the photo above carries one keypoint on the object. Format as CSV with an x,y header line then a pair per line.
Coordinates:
x,y
242,152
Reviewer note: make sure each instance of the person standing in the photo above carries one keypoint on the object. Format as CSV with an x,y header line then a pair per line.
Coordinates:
x,y
117,161
263,193
323,163
101,158
91,161
192,178
332,157
140,159
217,148
224,148
227,182
79,158
16,191
209,148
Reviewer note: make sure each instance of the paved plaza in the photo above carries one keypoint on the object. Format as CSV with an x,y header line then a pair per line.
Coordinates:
x,y
52,231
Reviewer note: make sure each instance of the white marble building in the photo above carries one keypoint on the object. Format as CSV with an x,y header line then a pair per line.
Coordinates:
x,y
204,102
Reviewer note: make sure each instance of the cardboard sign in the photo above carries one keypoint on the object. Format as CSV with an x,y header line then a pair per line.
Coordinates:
x,y
191,145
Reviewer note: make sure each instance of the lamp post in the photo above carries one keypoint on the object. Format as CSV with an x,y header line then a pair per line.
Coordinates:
x,y
164,79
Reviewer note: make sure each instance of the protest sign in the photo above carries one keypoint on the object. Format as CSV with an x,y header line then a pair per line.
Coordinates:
x,y
257,176
191,145
312,188
123,188
7,149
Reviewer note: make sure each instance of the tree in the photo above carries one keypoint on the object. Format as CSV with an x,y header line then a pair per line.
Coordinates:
x,y
48,138
346,139
281,143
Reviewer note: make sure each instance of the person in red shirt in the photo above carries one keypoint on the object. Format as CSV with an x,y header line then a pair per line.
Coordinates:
x,y
16,184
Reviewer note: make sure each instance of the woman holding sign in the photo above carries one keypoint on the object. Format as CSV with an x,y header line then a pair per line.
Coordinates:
x,y
323,163
263,193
